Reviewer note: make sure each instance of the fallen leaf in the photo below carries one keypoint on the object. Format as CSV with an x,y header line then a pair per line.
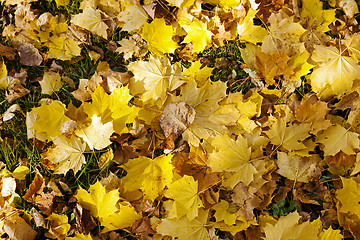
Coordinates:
x,y
96,135
183,228
158,35
299,169
7,52
187,202
176,118
337,138
50,83
29,55
8,186
16,91
17,228
91,20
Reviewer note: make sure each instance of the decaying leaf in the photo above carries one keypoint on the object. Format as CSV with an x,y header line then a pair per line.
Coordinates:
x,y
297,168
176,118
29,55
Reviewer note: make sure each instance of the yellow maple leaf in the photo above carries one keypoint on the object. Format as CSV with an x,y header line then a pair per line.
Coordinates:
x,y
337,138
63,48
248,31
187,202
67,154
3,70
313,16
331,234
157,77
58,226
133,17
239,226
100,105
91,20
123,218
210,117
50,118
121,112
223,214
62,2
334,74
100,203
313,111
284,36
289,137
50,83
297,168
80,236
352,43
149,175
287,227
232,156
198,73
348,196
20,172
97,134
197,34
158,35
248,109
103,204
183,228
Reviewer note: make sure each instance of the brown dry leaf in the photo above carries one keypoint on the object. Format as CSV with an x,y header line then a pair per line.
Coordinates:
x,y
18,229
124,153
142,226
82,93
340,159
313,111
176,118
29,55
37,217
7,52
111,182
84,222
191,163
272,65
310,193
14,92
54,67
36,186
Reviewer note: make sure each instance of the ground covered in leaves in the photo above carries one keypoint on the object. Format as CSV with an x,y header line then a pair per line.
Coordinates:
x,y
180,119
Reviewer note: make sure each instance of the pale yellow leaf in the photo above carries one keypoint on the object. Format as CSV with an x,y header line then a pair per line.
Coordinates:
x,y
96,135
67,154
50,83
91,20
337,138
133,17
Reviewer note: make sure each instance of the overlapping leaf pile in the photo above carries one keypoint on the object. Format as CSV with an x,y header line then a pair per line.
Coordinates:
x,y
186,157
